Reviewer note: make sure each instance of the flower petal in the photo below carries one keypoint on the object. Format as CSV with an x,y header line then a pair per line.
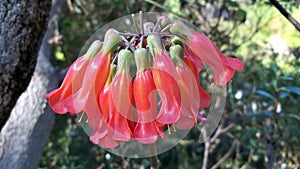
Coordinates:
x,y
93,82
60,100
204,96
145,130
164,75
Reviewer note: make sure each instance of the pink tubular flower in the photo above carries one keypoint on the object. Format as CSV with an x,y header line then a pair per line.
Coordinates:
x,y
120,105
204,96
203,48
97,72
60,98
103,135
188,88
145,130
164,75
85,99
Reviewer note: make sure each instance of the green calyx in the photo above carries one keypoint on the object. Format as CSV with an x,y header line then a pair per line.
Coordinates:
x,y
177,41
124,59
111,40
93,49
112,73
142,58
180,29
155,44
164,21
177,54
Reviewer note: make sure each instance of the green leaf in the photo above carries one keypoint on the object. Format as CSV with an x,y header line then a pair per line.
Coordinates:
x,y
274,67
292,89
287,78
283,94
240,15
232,3
264,93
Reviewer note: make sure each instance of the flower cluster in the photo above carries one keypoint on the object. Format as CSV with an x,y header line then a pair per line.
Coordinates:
x,y
136,86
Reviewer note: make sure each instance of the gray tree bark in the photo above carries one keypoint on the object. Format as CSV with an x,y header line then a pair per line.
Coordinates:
x,y
22,26
25,133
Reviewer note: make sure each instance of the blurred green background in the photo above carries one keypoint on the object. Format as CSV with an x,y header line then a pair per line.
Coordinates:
x,y
261,124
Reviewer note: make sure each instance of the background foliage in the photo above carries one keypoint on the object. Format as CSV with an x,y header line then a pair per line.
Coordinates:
x,y
260,126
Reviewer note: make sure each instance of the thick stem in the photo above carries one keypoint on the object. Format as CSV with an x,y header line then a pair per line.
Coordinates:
x,y
153,159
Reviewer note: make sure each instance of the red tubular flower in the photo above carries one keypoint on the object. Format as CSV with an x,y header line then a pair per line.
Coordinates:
x,y
204,96
97,72
188,89
120,105
202,47
164,75
145,130
60,100
103,135
94,80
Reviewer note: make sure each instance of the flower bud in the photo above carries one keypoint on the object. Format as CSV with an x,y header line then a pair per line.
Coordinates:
x,y
124,59
155,45
177,53
148,27
164,21
142,59
112,73
177,41
111,40
93,49
180,29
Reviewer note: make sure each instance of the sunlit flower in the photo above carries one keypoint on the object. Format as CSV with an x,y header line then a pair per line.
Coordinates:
x,y
202,47
61,98
195,65
121,104
146,130
164,75
103,134
190,98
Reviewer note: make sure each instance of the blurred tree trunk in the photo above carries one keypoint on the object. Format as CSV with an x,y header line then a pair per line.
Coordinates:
x,y
25,133
22,26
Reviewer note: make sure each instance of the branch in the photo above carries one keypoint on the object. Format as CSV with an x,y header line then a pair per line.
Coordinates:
x,y
286,14
219,131
206,150
225,156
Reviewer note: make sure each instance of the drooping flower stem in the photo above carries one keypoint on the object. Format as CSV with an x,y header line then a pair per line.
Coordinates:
x,y
154,164
156,25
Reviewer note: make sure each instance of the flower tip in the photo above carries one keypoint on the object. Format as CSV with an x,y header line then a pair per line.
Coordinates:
x,y
111,40
148,26
177,53
164,20
155,44
239,65
177,41
180,29
46,96
142,59
201,118
93,49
